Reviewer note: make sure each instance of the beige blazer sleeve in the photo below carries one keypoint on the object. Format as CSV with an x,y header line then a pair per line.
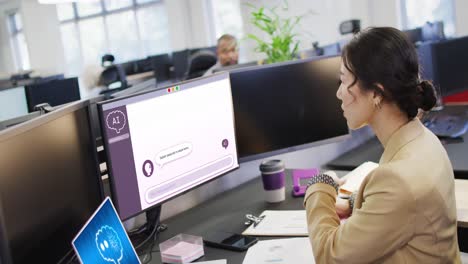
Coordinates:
x,y
383,224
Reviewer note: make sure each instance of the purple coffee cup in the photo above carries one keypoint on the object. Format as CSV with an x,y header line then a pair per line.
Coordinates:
x,y
273,178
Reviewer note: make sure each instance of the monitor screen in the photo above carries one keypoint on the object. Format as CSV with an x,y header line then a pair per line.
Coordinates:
x,y
163,143
287,106
12,103
56,92
49,183
450,62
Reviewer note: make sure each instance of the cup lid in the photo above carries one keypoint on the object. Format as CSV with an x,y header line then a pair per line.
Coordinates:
x,y
271,165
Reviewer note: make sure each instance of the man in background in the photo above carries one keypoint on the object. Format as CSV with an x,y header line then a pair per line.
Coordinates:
x,y
227,51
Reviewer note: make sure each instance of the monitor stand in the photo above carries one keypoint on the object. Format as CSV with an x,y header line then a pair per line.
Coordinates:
x,y
147,233
152,219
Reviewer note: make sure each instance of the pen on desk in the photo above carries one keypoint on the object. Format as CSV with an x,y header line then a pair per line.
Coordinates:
x,y
259,219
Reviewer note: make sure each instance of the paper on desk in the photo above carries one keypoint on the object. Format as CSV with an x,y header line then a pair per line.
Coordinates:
x,y
461,197
279,251
357,176
220,261
280,223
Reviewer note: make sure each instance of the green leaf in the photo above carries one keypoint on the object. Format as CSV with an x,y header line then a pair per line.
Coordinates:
x,y
282,44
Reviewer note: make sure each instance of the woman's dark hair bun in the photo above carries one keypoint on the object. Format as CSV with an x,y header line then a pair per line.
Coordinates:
x,y
428,96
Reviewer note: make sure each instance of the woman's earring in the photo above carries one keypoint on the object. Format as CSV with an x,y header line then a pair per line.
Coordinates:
x,y
378,105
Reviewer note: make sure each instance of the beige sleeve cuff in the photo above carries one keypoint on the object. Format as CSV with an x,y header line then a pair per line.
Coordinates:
x,y
319,187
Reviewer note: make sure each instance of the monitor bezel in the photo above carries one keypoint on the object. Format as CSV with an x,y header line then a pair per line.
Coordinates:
x,y
113,189
243,159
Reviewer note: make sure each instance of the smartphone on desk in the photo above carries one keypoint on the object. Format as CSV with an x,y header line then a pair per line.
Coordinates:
x,y
228,240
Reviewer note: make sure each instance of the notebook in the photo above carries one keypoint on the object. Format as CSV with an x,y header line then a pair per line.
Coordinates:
x,y
103,239
355,178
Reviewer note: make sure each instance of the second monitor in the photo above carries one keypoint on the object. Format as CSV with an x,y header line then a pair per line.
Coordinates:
x,y
287,106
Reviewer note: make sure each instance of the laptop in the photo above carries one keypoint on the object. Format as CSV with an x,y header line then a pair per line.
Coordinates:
x,y
103,239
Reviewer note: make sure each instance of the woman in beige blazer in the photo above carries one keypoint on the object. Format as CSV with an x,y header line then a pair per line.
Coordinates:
x,y
404,211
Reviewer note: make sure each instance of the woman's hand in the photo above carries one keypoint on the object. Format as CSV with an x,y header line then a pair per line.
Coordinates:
x,y
342,207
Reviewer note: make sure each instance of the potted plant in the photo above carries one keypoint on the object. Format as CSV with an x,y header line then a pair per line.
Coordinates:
x,y
282,44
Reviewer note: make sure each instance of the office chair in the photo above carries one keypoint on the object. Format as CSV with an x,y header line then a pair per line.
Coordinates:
x,y
200,62
112,76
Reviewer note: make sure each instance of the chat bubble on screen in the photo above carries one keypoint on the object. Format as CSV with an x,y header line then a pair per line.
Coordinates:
x,y
115,120
173,153
109,244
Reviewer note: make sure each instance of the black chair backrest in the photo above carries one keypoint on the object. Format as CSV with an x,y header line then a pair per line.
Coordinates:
x,y
200,62
112,74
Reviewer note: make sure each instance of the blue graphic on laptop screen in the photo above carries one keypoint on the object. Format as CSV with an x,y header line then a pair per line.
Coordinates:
x,y
104,240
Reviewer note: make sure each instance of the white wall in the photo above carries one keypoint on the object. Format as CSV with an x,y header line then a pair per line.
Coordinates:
x,y
6,53
179,18
461,17
42,31
42,35
384,13
189,23
388,13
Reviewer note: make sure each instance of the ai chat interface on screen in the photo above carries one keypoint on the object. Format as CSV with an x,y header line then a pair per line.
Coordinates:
x,y
163,143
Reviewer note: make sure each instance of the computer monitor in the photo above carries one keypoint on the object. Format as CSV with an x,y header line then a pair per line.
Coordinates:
x,y
12,103
49,78
161,66
144,65
446,64
414,35
287,106
180,60
56,92
166,142
49,184
130,67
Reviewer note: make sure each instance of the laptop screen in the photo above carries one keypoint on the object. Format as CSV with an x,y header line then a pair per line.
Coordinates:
x,y
103,239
